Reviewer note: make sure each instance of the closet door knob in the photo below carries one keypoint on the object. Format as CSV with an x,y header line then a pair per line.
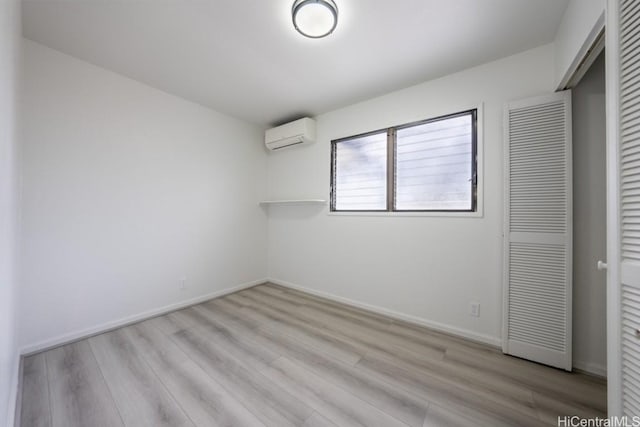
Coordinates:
x,y
602,265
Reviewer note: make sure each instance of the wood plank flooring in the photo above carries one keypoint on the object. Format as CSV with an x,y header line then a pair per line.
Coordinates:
x,y
272,356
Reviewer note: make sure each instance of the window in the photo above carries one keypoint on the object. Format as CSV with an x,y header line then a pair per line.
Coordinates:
x,y
425,166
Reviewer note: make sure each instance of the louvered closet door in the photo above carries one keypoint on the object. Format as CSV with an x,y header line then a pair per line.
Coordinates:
x,y
537,299
623,230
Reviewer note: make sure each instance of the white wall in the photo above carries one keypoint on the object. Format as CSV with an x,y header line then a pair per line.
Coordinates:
x,y
10,39
589,216
426,267
126,190
581,23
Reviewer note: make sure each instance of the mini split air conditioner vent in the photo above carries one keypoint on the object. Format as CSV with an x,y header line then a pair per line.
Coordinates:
x,y
299,132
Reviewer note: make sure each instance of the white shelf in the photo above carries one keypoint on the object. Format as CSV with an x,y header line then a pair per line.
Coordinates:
x,y
293,202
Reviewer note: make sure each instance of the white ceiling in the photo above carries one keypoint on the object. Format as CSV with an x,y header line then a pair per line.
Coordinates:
x,y
244,58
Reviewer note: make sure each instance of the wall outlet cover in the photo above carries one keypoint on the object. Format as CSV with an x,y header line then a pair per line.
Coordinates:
x,y
474,309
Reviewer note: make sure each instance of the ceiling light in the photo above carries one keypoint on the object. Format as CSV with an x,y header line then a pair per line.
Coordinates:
x,y
314,18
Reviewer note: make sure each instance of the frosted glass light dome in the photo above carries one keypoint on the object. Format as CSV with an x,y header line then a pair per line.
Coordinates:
x,y
314,18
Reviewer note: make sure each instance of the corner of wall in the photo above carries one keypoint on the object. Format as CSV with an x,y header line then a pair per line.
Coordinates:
x,y
10,58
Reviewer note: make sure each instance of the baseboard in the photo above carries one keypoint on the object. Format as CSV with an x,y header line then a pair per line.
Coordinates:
x,y
108,326
437,326
587,367
590,368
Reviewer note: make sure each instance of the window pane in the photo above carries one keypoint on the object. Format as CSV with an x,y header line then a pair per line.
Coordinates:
x,y
361,173
434,165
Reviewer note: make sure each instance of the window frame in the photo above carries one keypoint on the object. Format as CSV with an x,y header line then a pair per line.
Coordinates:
x,y
391,182
334,143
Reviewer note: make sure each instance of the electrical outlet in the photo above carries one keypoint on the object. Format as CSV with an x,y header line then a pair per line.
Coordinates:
x,y
474,309
182,282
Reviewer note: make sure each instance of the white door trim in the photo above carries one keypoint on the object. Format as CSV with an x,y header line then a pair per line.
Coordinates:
x,y
614,363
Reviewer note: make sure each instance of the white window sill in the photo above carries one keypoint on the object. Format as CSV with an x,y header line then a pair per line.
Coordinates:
x,y
477,214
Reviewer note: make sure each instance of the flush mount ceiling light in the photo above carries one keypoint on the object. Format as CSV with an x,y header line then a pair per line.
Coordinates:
x,y
314,18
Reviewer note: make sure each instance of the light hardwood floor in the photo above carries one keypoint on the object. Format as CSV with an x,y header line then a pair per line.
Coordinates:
x,y
271,356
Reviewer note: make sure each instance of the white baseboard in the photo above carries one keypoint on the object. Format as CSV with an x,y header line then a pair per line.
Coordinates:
x,y
114,324
441,327
587,367
590,368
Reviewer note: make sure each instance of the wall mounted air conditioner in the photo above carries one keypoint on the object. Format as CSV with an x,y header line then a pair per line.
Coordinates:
x,y
299,132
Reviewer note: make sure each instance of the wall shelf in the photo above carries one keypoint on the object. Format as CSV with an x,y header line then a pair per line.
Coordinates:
x,y
293,202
